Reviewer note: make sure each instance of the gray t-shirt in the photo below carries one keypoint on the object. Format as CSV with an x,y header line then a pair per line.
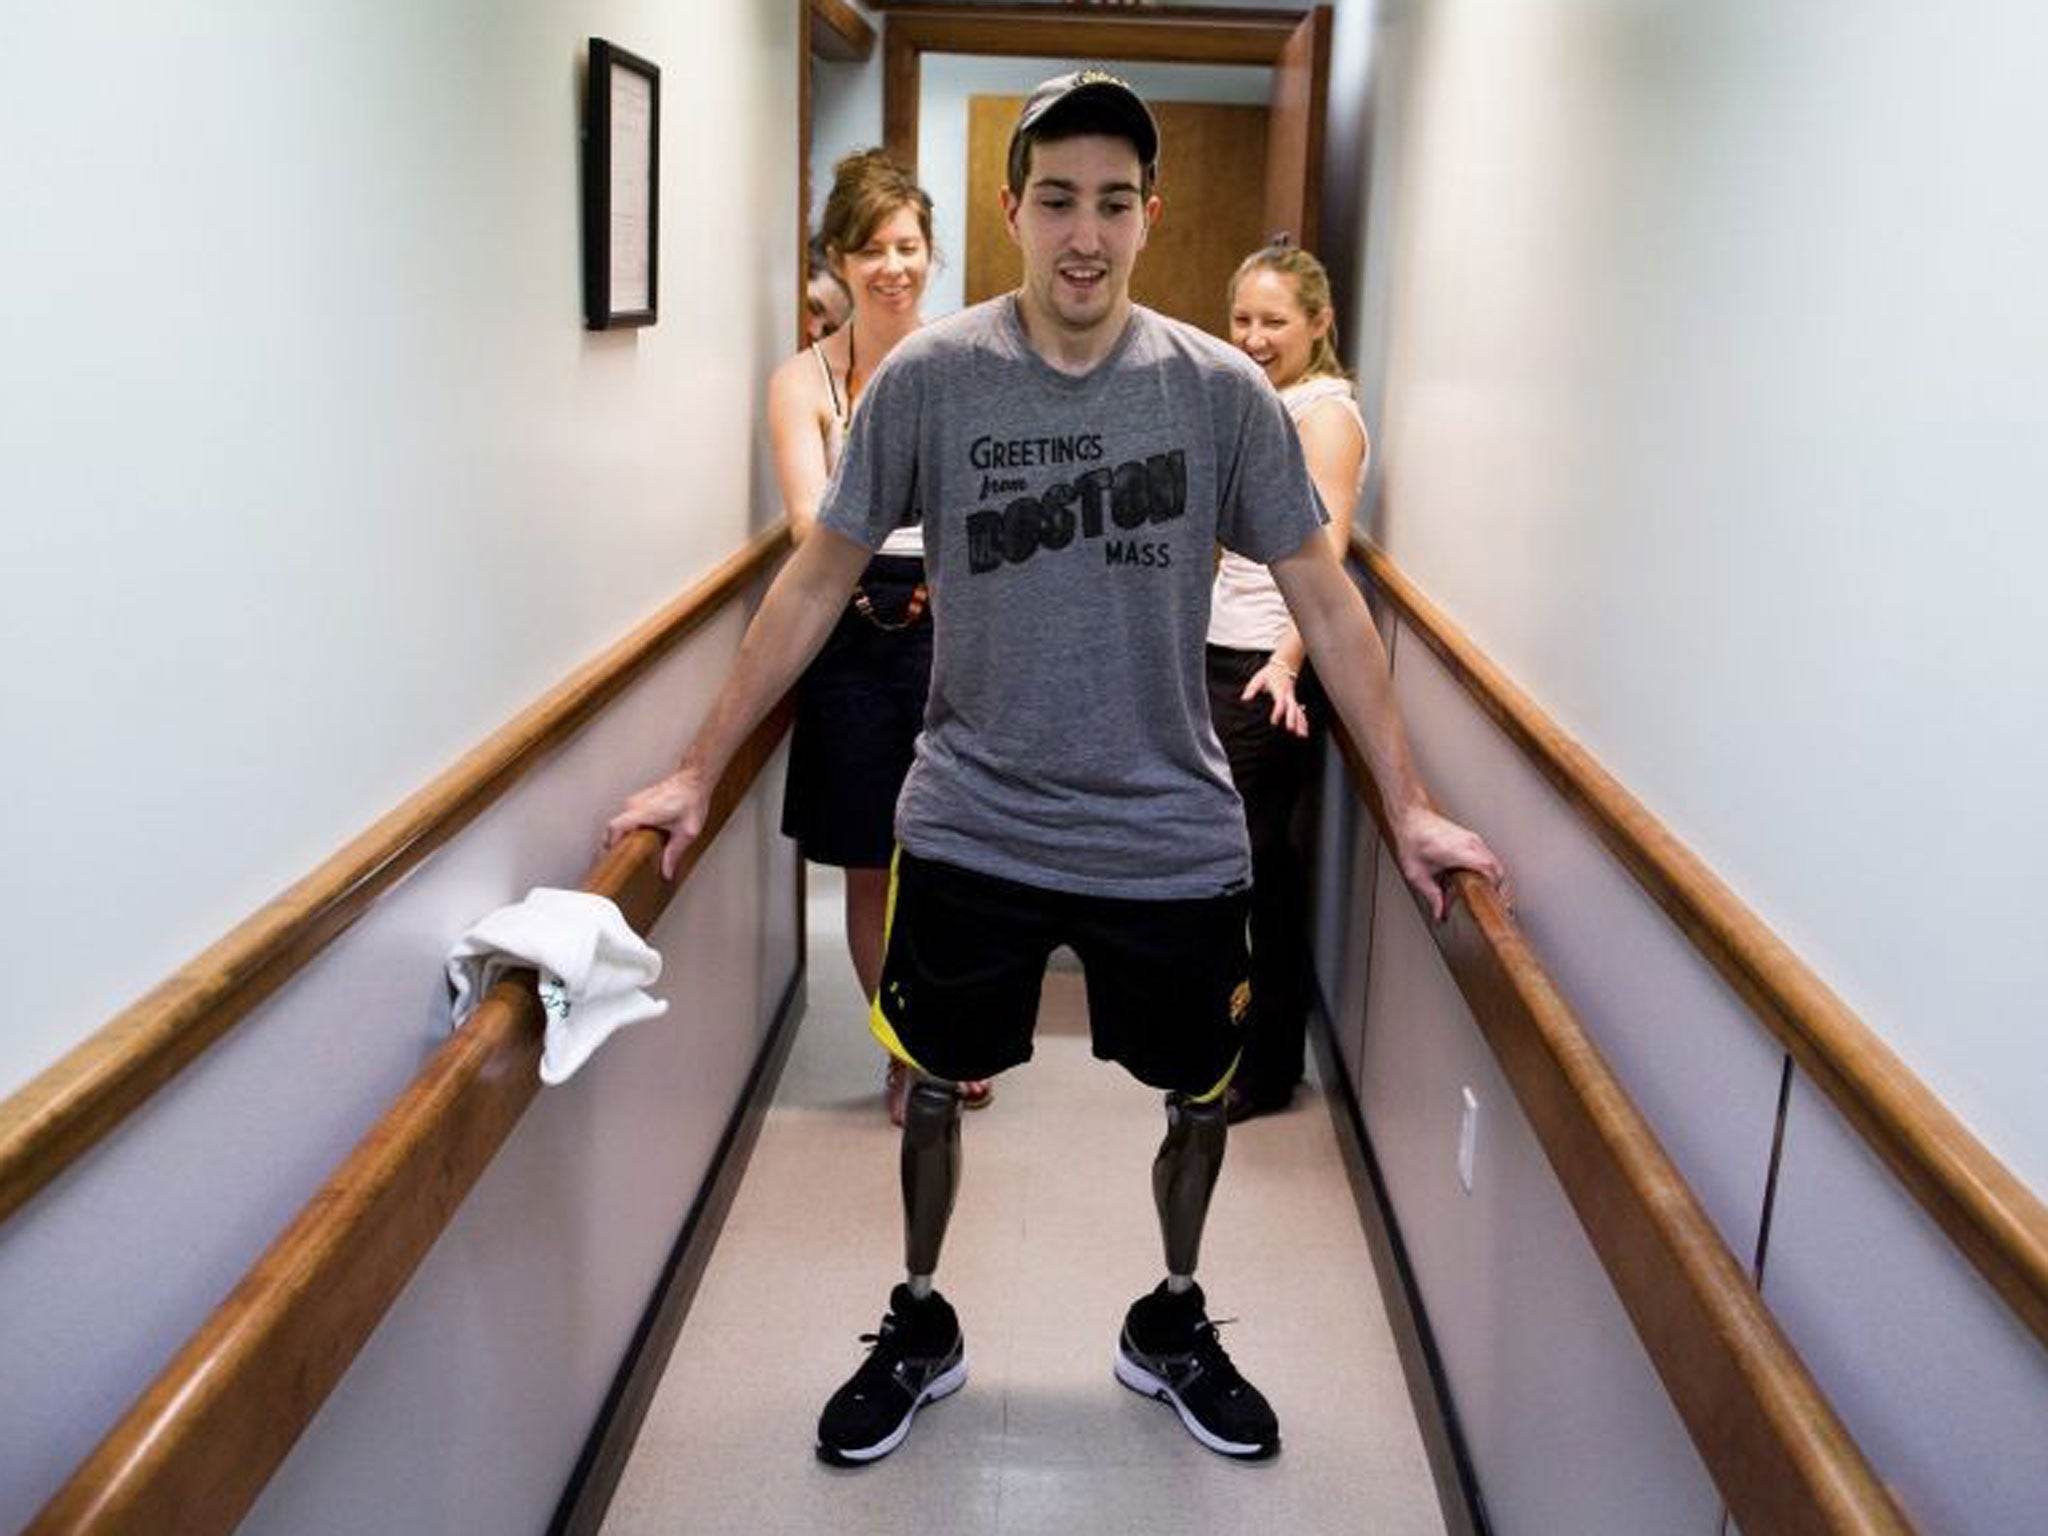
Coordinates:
x,y
1070,526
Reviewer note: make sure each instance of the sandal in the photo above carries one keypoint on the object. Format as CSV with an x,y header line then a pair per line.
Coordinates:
x,y
978,1094
896,1090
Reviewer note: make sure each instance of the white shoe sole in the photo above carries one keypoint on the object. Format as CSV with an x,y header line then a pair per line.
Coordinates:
x,y
942,1385
1143,1382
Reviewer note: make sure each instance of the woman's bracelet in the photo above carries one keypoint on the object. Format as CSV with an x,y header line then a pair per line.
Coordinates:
x,y
1280,666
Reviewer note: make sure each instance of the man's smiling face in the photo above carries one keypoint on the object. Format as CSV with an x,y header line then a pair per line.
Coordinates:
x,y
1080,223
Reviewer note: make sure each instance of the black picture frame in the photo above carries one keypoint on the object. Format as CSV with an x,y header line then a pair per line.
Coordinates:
x,y
621,153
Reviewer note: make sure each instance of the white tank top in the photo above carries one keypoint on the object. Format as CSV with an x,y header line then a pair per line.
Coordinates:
x,y
1246,611
908,540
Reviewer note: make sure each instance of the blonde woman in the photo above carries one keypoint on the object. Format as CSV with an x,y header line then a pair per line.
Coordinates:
x,y
861,703
1265,705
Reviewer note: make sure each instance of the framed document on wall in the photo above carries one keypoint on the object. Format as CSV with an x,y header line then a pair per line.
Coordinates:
x,y
621,186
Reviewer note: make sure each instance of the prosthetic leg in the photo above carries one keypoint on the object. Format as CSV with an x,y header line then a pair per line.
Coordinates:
x,y
919,1354
1169,1349
1183,1177
931,1176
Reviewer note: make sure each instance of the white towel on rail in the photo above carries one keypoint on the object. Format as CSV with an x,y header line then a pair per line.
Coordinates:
x,y
593,968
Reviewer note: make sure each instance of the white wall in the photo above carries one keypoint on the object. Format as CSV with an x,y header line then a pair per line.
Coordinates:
x,y
311,476
1705,346
1938,1382
1703,351
513,1327
311,479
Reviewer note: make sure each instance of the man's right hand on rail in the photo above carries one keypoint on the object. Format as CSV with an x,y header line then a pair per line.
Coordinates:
x,y
675,807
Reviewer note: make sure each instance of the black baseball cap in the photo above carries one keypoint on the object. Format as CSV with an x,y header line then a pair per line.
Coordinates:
x,y
1060,95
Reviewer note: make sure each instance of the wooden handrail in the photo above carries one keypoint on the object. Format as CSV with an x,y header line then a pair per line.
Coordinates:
x,y
56,1117
1776,1450
198,1446
1993,1218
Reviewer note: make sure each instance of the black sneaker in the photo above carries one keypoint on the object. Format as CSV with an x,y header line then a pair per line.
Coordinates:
x,y
918,1357
1169,1350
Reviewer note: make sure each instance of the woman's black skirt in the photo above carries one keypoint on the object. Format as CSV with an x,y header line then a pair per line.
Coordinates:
x,y
859,709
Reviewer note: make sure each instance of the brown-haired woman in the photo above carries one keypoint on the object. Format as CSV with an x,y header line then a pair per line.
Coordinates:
x,y
827,304
861,703
1264,705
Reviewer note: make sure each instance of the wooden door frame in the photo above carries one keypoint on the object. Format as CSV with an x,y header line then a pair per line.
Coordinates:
x,y
1296,116
1155,35
826,29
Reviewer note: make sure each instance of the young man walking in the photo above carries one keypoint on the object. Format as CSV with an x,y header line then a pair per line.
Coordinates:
x,y
1074,459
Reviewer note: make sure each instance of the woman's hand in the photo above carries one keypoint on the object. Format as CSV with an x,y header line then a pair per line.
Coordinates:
x,y
1277,682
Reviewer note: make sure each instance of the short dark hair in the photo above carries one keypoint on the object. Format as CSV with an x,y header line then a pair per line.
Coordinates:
x,y
1078,119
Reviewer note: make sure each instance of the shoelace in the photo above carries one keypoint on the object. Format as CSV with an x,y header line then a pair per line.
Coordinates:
x,y
1213,1358
885,1355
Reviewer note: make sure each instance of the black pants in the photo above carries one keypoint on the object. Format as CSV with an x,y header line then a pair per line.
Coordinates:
x,y
1271,769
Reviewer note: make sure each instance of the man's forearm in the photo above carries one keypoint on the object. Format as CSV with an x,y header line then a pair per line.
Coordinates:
x,y
1351,664
798,612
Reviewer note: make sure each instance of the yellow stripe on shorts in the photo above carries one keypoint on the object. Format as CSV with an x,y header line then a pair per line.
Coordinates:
x,y
1240,1005
1224,1083
878,1021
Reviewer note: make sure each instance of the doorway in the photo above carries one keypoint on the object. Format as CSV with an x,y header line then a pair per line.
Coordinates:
x,y
1272,151
1276,148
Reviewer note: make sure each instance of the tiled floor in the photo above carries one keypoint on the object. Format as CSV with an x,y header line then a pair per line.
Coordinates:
x,y
1053,1236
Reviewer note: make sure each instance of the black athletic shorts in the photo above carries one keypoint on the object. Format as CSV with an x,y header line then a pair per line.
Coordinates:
x,y
1167,980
